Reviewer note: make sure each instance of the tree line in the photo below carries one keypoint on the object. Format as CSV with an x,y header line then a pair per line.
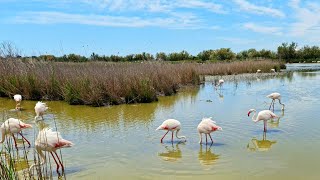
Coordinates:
x,y
286,52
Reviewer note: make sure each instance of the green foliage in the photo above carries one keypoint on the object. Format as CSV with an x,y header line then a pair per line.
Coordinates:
x,y
287,51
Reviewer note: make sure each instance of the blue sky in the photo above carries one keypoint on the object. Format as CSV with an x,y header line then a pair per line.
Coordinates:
x,y
134,26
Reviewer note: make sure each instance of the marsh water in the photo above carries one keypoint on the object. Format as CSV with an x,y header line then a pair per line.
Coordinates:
x,y
121,141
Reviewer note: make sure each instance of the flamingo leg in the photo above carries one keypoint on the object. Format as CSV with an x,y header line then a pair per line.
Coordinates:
x,y
172,137
59,161
265,126
164,136
55,162
270,105
15,142
273,105
25,139
211,138
206,139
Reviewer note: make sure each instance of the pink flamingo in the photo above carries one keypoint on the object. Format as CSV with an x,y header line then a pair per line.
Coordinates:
x,y
263,115
50,141
11,126
171,125
18,99
275,96
207,126
40,109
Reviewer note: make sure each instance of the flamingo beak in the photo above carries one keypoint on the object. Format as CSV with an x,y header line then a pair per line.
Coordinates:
x,y
249,113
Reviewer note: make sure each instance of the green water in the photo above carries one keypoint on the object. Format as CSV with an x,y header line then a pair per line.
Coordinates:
x,y
121,141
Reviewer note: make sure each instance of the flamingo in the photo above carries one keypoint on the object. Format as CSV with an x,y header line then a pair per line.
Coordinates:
x,y
18,99
207,126
273,70
263,115
40,108
50,141
171,125
12,126
258,71
220,83
275,96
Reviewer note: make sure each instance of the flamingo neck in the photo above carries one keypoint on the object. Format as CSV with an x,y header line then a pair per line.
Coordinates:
x,y
180,137
254,116
281,104
43,159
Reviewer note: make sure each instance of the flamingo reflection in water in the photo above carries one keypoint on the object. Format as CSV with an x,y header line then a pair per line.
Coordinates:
x,y
172,154
206,157
260,145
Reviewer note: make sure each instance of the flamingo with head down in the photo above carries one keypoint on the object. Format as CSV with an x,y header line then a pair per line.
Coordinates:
x,y
274,96
12,126
40,109
171,125
207,126
50,141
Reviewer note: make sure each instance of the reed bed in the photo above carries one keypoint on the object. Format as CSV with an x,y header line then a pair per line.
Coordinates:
x,y
102,83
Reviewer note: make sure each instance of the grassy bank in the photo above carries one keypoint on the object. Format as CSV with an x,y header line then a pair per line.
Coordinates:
x,y
101,83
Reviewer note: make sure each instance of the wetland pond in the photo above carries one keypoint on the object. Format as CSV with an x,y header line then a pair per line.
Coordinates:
x,y
121,141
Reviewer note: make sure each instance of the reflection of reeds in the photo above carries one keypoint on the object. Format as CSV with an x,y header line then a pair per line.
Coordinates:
x,y
100,83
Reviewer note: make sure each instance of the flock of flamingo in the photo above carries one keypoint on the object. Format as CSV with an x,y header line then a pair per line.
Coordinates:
x,y
207,125
50,141
47,139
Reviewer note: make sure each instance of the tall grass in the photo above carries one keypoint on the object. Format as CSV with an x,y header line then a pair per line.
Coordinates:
x,y
101,83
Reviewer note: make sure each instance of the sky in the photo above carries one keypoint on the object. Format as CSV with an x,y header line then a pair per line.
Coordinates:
x,y
124,27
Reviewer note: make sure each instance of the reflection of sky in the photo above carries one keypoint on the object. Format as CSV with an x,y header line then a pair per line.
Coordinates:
x,y
110,139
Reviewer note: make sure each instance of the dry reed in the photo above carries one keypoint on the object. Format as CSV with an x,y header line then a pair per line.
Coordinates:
x,y
101,83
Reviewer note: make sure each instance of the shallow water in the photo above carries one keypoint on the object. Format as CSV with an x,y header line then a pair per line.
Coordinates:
x,y
121,141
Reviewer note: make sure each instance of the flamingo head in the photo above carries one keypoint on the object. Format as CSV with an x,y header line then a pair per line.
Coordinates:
x,y
250,111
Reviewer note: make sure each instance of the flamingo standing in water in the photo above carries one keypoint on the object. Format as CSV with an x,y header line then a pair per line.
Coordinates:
x,y
207,126
50,141
258,71
171,125
220,83
18,99
263,115
275,96
273,70
12,126
40,109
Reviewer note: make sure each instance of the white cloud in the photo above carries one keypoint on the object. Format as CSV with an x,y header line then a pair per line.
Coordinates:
x,y
178,21
251,8
307,20
263,29
154,5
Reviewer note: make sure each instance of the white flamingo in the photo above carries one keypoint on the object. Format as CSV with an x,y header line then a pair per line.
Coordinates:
x,y
273,70
50,141
263,115
275,96
220,83
171,125
12,126
258,71
40,109
18,99
207,126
